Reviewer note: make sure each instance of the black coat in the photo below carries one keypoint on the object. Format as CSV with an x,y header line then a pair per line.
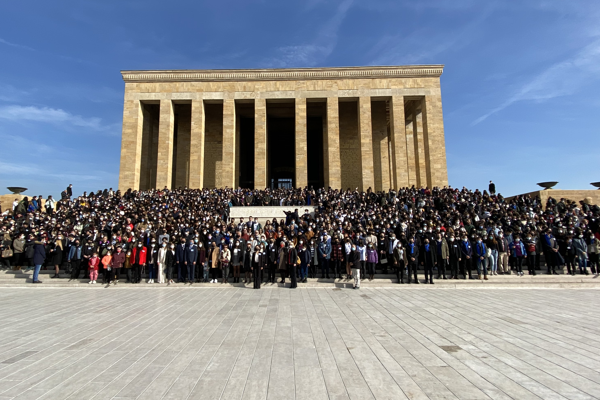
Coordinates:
x,y
170,258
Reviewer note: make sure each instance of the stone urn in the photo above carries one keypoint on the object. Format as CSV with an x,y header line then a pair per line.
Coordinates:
x,y
16,190
547,185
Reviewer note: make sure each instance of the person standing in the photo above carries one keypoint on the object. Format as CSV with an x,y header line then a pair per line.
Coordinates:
x,y
236,261
324,254
582,252
442,255
39,256
531,249
138,261
106,265
519,253
117,261
292,262
466,254
272,252
170,262
247,262
225,259
304,254
412,254
455,255
400,261
74,258
151,261
427,254
191,257
354,263
161,259
372,259
214,255
503,251
93,264
480,252
57,254
492,188
282,262
258,263
180,261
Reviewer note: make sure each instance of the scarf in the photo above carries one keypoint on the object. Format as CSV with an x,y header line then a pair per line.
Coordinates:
x,y
427,247
412,248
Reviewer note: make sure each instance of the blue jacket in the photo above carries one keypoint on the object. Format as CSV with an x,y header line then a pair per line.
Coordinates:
x,y
466,249
39,253
324,250
480,249
74,253
180,253
191,254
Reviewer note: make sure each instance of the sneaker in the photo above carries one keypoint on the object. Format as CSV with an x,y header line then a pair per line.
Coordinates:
x,y
94,282
90,282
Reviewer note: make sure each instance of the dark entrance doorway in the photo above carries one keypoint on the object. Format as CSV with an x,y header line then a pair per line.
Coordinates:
x,y
281,125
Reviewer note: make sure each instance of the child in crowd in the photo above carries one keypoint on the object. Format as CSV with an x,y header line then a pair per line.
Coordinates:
x,y
93,267
106,264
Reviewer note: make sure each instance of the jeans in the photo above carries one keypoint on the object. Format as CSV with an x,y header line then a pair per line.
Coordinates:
x,y
205,274
481,266
494,261
303,271
582,264
150,271
36,272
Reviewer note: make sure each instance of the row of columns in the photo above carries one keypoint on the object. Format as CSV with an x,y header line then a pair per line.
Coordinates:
x,y
410,152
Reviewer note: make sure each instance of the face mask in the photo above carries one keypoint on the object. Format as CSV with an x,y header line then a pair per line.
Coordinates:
x,y
140,245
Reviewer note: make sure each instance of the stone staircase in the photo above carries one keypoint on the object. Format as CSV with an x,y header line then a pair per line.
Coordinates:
x,y
24,279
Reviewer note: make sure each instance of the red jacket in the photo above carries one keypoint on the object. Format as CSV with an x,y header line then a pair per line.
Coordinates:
x,y
142,255
93,263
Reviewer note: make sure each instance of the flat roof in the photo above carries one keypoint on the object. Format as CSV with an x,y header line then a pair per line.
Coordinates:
x,y
280,74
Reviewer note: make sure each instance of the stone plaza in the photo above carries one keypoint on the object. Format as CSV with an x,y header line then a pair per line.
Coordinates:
x,y
350,127
236,343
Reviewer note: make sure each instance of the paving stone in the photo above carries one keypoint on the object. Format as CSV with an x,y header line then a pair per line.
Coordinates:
x,y
308,343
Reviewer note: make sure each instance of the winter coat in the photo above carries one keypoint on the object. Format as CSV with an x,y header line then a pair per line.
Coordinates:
x,y
142,255
118,259
94,262
372,256
39,253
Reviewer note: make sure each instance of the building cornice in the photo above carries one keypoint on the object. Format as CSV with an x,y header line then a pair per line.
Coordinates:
x,y
236,75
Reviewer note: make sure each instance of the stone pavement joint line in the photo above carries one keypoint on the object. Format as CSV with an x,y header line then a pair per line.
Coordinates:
x,y
309,343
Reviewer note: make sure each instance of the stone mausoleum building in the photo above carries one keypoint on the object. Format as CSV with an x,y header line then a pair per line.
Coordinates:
x,y
377,127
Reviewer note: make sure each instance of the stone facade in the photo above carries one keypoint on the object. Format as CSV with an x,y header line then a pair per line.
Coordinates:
x,y
382,127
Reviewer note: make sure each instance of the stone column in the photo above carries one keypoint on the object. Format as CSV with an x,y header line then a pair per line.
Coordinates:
x,y
164,168
366,143
398,138
301,145
433,137
420,146
410,147
260,144
331,146
197,145
229,145
182,147
380,145
131,146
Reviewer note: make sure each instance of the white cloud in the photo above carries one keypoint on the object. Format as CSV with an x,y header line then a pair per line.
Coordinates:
x,y
20,46
47,114
311,54
561,79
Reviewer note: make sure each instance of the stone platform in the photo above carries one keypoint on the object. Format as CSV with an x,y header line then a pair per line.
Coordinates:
x,y
305,344
23,279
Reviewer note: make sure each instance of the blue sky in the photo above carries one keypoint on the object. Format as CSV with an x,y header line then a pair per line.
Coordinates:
x,y
520,87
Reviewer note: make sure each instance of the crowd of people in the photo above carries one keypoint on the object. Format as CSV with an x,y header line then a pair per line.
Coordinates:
x,y
186,235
